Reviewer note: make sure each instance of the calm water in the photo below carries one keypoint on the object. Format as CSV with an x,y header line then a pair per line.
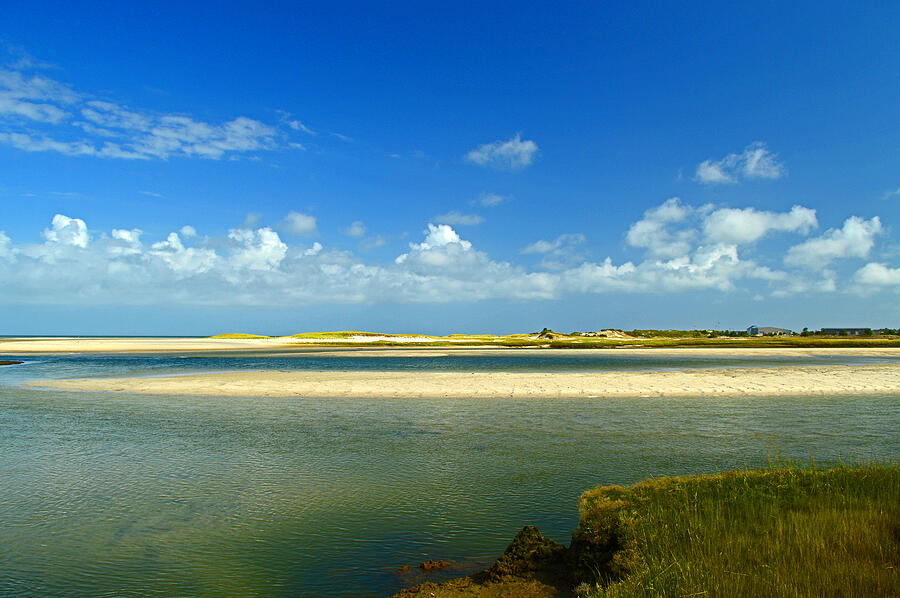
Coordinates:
x,y
129,495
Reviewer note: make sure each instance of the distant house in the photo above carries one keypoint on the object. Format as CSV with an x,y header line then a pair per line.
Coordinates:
x,y
772,331
768,331
846,331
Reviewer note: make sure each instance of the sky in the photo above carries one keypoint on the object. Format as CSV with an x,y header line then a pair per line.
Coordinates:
x,y
473,167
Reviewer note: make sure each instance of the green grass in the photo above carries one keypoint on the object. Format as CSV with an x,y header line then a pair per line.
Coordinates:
x,y
782,531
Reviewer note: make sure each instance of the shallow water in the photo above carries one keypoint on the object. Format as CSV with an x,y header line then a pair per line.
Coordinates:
x,y
126,495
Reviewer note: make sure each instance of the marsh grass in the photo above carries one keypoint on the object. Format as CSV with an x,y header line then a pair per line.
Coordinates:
x,y
782,531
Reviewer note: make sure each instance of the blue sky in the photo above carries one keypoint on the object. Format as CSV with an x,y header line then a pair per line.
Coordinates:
x,y
474,167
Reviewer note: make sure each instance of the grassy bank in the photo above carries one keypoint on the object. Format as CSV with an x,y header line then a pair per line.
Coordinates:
x,y
781,531
784,531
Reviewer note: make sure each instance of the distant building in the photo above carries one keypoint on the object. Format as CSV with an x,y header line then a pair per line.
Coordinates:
x,y
768,331
772,331
846,331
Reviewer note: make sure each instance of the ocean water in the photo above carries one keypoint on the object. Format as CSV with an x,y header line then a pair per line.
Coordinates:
x,y
105,494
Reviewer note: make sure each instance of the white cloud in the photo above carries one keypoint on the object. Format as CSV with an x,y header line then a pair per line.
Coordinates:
x,y
373,243
34,98
560,253
854,239
67,231
254,266
187,231
440,243
729,225
542,246
513,154
183,260
261,249
5,242
877,275
126,242
489,200
651,232
456,218
300,224
890,194
39,114
754,162
356,229
299,126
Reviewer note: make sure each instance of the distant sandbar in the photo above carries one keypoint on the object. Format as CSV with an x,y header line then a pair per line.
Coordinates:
x,y
737,382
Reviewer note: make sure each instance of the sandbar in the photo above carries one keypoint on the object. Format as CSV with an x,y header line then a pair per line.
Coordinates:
x,y
736,382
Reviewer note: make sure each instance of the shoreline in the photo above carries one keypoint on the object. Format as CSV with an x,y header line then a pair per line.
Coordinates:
x,y
729,382
289,346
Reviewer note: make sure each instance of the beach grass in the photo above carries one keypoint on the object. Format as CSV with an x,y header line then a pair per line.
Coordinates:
x,y
782,531
341,334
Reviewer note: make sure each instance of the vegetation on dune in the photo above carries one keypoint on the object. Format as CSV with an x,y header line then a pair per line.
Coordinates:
x,y
783,531
338,334
608,339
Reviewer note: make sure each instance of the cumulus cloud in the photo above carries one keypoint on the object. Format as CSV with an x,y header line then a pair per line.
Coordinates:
x,y
877,275
183,260
652,231
356,229
126,242
261,249
456,218
854,239
513,154
754,162
729,225
67,231
300,224
39,114
254,266
440,244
